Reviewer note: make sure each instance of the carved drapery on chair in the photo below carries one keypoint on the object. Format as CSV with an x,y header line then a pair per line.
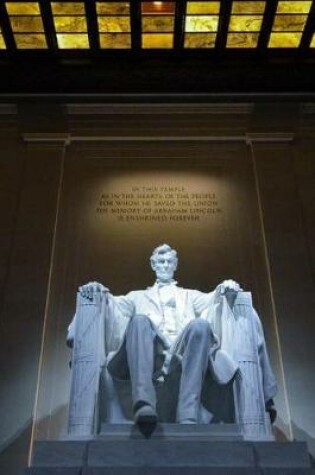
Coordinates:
x,y
249,398
88,356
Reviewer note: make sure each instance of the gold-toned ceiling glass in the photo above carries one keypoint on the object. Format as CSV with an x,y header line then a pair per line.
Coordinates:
x,y
157,23
114,24
245,8
245,24
2,43
198,26
289,23
70,25
23,8
297,6
201,24
27,25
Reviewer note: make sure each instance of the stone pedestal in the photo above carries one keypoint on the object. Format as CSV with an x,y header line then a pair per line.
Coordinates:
x,y
170,449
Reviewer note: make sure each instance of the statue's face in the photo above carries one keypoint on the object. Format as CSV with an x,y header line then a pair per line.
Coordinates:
x,y
164,267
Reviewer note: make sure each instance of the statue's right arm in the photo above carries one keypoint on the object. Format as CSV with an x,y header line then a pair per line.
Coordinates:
x,y
122,302
122,305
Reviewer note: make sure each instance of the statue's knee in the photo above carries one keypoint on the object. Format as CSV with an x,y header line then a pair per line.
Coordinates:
x,y
139,320
201,328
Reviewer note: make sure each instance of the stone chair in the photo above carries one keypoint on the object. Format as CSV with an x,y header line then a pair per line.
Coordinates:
x,y
95,398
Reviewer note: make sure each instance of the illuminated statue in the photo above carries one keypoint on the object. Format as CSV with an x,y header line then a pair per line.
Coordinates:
x,y
144,336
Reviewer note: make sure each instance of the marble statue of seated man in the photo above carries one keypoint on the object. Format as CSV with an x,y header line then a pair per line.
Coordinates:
x,y
166,322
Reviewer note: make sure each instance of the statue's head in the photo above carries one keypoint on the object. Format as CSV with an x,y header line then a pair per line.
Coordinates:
x,y
164,262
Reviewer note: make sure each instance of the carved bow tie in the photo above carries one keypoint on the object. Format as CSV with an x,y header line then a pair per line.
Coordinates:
x,y
165,284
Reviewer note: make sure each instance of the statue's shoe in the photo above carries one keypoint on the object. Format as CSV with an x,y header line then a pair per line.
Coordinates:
x,y
145,415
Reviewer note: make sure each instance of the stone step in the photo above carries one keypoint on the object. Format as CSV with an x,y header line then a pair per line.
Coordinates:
x,y
159,453
200,432
169,449
166,471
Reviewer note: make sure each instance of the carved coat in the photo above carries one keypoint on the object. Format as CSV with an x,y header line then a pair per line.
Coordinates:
x,y
190,304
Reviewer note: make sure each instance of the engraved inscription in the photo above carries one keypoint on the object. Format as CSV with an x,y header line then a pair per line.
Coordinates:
x,y
159,204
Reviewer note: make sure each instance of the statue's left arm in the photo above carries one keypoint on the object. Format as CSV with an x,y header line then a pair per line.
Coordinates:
x,y
210,302
215,307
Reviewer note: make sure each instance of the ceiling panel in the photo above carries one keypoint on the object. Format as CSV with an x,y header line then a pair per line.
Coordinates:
x,y
170,25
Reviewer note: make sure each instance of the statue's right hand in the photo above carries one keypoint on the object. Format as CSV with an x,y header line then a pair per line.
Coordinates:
x,y
89,290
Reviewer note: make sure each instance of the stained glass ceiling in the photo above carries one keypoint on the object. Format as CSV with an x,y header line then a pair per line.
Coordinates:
x,y
167,25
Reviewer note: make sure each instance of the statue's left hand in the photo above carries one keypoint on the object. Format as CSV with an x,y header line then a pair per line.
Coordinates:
x,y
230,287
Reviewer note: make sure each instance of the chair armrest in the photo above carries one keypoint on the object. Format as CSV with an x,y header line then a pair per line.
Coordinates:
x,y
88,355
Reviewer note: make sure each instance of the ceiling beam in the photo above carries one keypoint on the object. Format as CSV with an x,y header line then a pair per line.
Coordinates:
x,y
179,27
136,27
49,26
266,26
92,24
309,30
7,29
223,26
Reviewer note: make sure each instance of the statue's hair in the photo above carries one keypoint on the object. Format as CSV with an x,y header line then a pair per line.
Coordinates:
x,y
163,249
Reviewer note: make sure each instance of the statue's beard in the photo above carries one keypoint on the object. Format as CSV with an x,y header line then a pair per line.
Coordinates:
x,y
165,275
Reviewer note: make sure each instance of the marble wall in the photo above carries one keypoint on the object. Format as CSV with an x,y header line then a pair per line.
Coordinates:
x,y
37,144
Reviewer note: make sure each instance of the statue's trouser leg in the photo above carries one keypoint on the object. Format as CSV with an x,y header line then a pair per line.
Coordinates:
x,y
194,348
140,338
